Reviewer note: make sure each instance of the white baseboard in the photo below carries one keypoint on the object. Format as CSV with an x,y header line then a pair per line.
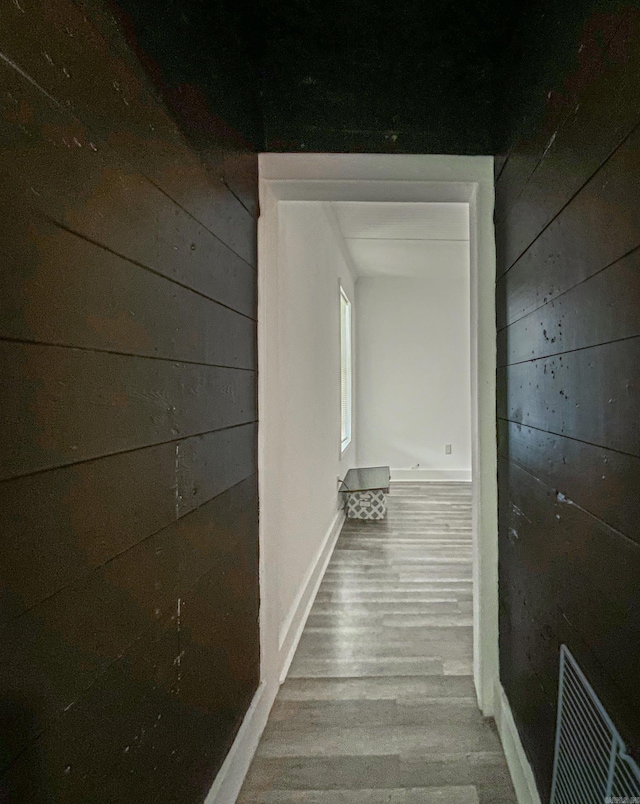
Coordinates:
x,y
519,766
292,628
431,475
231,775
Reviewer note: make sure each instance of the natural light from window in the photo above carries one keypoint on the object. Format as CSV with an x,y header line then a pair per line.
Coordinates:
x,y
346,374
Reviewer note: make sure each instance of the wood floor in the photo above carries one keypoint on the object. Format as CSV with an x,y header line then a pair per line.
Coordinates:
x,y
379,704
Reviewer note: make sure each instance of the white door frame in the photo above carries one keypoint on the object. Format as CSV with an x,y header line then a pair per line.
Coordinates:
x,y
369,177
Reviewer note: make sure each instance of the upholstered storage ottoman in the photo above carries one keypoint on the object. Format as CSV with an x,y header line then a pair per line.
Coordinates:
x,y
366,491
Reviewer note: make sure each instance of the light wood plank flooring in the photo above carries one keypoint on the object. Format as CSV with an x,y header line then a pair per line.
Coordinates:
x,y
379,704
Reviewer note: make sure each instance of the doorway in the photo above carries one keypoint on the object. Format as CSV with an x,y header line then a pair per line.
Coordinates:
x,y
374,178
357,178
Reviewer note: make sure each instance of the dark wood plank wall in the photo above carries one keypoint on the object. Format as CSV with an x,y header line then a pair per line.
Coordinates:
x,y
128,495
568,309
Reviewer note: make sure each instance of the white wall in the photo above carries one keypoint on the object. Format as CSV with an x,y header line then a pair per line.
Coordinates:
x,y
413,369
311,267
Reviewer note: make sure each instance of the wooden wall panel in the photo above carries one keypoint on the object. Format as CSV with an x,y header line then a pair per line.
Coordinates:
x,y
602,309
128,492
137,402
155,722
583,63
106,506
562,547
551,394
92,191
206,465
75,67
562,544
568,313
60,646
607,72
85,514
597,229
51,261
66,290
595,478
522,162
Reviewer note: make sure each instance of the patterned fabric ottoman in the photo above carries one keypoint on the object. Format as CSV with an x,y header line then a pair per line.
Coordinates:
x,y
367,505
366,491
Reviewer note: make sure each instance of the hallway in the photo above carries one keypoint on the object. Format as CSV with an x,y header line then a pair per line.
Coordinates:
x,y
379,704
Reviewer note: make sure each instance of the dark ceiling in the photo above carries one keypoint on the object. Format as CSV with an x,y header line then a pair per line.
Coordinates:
x,y
409,76
371,75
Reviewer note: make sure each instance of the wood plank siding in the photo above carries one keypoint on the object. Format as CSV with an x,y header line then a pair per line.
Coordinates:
x,y
568,314
128,493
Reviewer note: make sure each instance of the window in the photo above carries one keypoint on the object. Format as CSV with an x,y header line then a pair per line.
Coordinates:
x,y
346,374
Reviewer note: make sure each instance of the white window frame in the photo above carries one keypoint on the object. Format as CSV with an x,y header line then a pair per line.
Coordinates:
x,y
346,370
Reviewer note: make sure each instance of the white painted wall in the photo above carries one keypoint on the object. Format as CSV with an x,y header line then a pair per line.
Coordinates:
x,y
311,268
414,373
303,261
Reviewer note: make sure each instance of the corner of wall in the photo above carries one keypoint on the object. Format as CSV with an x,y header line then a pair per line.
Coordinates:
x,y
231,775
524,782
340,241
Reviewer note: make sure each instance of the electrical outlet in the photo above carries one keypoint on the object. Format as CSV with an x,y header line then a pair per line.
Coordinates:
x,y
447,449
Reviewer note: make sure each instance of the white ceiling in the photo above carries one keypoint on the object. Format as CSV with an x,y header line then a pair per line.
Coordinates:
x,y
402,238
